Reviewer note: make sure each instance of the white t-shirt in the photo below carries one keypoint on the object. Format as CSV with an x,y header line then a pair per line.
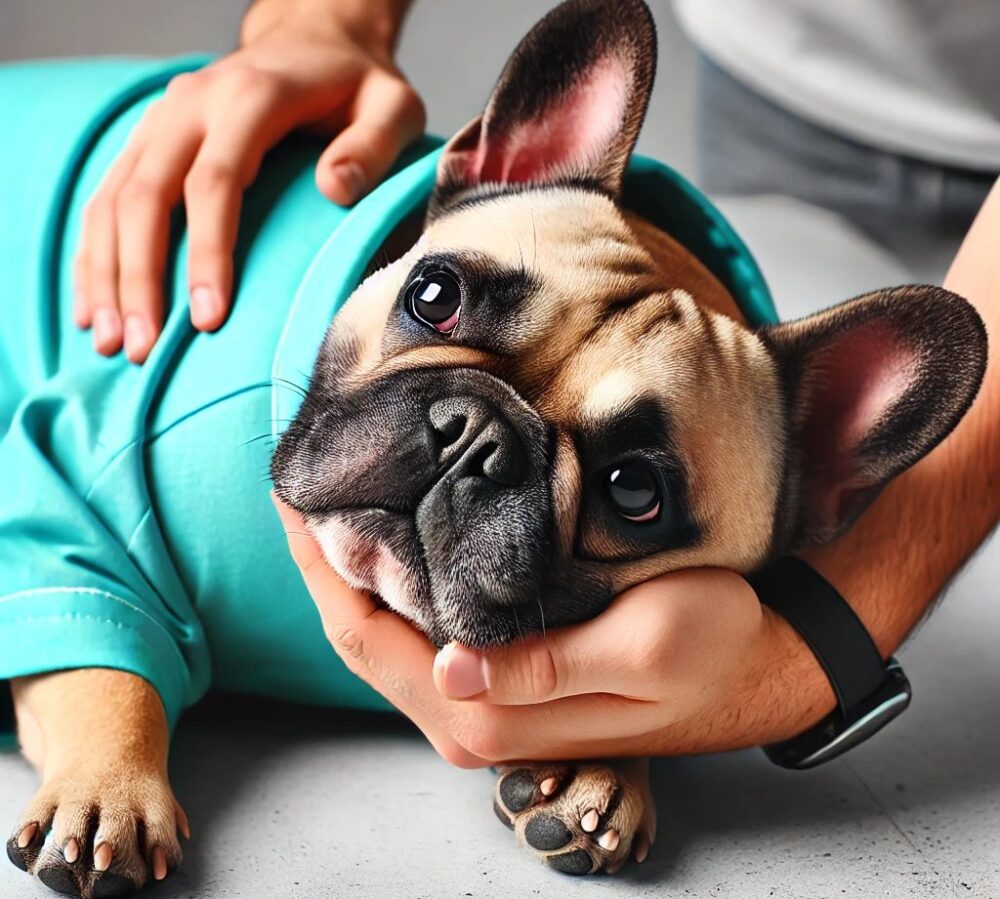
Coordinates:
x,y
919,77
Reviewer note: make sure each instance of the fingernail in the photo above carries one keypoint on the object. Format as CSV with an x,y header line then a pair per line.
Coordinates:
x,y
352,178
159,864
26,835
463,672
137,337
102,857
204,307
107,329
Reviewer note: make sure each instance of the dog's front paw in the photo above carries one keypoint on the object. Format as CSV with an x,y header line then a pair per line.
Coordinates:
x,y
579,818
99,835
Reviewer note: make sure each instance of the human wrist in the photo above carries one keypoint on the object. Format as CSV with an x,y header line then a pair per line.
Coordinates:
x,y
786,687
373,24
780,690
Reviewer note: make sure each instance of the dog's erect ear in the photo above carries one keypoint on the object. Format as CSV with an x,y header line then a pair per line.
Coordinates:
x,y
567,108
873,385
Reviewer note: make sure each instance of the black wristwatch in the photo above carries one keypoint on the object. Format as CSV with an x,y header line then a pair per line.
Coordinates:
x,y
870,692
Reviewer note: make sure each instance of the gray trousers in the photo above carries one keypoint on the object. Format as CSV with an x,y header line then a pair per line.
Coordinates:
x,y
745,144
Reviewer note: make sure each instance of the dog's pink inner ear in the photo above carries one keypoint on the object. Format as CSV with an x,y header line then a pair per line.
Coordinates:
x,y
854,383
568,138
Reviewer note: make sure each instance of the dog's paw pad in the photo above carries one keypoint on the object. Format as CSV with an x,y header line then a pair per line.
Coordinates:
x,y
547,832
59,878
578,862
109,885
578,820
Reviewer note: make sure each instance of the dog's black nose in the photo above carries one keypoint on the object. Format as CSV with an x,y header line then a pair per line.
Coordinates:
x,y
475,439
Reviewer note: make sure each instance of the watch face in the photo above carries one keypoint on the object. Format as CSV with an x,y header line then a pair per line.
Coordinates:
x,y
842,730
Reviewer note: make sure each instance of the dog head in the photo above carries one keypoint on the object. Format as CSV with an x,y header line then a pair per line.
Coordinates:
x,y
546,400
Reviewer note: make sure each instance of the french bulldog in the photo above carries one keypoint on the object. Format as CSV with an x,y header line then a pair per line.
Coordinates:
x,y
568,403
540,401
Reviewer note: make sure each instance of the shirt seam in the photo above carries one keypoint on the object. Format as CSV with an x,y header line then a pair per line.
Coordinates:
x,y
88,591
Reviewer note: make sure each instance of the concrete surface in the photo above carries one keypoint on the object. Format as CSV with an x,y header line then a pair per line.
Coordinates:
x,y
288,802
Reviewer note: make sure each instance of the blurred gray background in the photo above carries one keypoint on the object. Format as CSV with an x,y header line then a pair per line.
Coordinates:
x,y
318,804
452,50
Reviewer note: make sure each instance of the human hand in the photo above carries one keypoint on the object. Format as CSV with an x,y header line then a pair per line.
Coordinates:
x,y
673,665
303,63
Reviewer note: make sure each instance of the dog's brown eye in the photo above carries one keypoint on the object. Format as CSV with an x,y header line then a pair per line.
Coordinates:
x,y
634,491
436,300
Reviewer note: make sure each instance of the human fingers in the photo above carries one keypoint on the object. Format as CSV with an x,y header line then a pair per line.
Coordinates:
x,y
387,116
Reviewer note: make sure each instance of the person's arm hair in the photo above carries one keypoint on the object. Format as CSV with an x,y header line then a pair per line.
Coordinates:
x,y
379,21
899,557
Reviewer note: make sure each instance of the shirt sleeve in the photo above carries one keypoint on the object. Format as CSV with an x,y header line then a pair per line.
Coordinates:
x,y
85,579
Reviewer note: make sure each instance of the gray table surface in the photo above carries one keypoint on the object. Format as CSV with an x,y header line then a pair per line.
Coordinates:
x,y
291,802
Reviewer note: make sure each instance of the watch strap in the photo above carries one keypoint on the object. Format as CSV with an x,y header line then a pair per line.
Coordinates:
x,y
827,623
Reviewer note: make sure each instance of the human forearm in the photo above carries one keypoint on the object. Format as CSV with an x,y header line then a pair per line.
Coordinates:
x,y
897,559
376,22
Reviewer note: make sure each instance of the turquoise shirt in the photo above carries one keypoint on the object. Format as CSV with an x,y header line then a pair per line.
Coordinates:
x,y
136,529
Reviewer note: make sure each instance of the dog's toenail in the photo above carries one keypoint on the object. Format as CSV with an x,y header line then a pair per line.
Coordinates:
x,y
71,851
159,864
182,822
517,790
548,786
26,835
59,879
15,855
102,857
502,815
609,840
547,832
641,849
572,862
110,885
590,821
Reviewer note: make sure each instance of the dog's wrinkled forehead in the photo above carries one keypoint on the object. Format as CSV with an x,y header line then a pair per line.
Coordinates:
x,y
544,276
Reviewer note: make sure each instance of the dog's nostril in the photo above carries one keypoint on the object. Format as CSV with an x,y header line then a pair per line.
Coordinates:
x,y
473,439
498,463
448,429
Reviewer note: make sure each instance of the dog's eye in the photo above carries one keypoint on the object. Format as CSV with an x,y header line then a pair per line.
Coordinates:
x,y
634,491
436,300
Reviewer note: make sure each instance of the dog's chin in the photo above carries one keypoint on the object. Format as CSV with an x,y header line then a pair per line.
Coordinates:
x,y
379,551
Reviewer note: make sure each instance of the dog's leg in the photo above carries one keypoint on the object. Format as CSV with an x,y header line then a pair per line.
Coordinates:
x,y
582,817
104,820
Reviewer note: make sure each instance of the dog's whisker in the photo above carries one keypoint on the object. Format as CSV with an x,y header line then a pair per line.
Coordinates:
x,y
541,612
517,622
289,385
267,436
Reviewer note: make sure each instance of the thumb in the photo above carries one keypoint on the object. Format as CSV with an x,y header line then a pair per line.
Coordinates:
x,y
388,115
566,662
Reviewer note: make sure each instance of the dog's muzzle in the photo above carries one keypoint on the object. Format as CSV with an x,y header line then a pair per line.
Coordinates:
x,y
453,458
